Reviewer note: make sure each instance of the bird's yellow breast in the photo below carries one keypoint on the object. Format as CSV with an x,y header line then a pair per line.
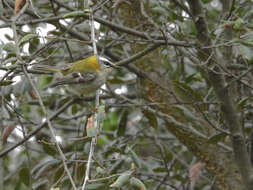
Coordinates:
x,y
87,65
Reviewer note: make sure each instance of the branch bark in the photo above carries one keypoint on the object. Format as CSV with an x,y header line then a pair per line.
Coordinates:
x,y
219,163
223,94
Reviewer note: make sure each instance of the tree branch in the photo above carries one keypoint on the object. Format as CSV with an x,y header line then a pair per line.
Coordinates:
x,y
114,26
227,105
41,126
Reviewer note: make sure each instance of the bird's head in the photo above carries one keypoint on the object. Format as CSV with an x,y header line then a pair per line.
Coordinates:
x,y
106,63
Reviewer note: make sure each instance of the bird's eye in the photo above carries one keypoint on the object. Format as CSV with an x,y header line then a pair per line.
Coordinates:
x,y
107,64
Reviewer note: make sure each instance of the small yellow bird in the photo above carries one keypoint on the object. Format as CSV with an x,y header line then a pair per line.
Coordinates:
x,y
83,77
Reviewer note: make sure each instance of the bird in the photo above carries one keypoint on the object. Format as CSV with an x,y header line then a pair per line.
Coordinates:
x,y
83,77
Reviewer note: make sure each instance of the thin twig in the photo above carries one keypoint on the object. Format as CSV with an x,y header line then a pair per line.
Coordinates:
x,y
120,28
58,24
50,126
96,124
105,178
31,134
27,153
34,10
171,120
138,55
37,92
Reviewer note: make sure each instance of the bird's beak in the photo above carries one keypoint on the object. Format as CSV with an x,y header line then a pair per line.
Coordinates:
x,y
114,66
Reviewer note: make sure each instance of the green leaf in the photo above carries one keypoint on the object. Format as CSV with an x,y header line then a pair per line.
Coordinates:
x,y
239,24
11,60
122,122
1,8
116,80
111,121
159,170
185,92
6,82
216,138
137,183
19,186
35,45
241,104
160,10
95,186
74,109
45,80
116,166
91,132
246,43
10,47
121,180
100,170
59,173
135,158
152,120
180,178
185,113
8,36
192,78
85,27
102,141
24,175
101,114
74,14
49,149
27,38
246,52
206,1
43,167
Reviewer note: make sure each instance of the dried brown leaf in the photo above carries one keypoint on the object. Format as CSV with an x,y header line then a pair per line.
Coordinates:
x,y
194,172
32,94
90,123
90,128
18,5
7,131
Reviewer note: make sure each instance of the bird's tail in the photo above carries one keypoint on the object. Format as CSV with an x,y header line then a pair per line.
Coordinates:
x,y
49,69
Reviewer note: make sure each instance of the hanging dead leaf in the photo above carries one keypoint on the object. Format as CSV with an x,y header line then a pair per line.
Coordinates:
x,y
18,5
7,131
90,123
194,172
32,94
90,128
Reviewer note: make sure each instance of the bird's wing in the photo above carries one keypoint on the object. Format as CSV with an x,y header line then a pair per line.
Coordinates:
x,y
46,69
74,78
